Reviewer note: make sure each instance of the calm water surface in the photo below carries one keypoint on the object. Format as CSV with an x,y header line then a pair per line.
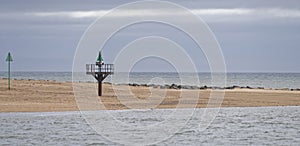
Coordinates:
x,y
232,126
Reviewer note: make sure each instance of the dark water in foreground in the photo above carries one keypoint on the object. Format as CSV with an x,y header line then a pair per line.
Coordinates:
x,y
232,126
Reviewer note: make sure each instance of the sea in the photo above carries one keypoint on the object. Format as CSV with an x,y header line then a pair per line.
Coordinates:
x,y
278,125
265,80
231,126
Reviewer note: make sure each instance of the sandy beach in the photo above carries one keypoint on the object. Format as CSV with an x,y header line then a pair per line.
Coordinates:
x,y
47,96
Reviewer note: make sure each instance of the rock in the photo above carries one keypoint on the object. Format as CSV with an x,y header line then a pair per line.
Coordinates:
x,y
156,86
214,87
236,87
133,84
218,88
151,85
260,88
163,87
179,86
167,86
231,87
174,86
203,88
194,87
248,87
185,87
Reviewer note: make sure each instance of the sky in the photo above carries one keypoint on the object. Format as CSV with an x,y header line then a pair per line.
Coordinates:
x,y
254,36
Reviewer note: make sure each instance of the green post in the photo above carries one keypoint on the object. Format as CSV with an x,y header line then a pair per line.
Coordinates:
x,y
9,59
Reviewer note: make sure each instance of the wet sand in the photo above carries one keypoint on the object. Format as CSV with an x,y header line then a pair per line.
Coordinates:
x,y
48,96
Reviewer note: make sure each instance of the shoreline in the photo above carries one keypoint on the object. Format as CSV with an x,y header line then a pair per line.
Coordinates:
x,y
52,96
128,110
190,87
172,86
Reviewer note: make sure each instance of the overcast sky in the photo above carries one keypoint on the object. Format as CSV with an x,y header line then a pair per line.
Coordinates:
x,y
255,36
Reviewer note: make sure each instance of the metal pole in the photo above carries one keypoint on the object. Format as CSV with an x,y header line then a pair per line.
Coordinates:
x,y
8,75
99,88
99,84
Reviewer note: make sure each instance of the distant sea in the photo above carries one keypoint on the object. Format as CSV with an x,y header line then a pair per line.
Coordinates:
x,y
266,80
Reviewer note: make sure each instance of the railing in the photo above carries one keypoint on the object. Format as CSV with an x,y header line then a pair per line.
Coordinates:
x,y
104,69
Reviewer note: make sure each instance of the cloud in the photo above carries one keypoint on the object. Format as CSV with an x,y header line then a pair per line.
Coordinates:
x,y
71,14
268,12
284,12
222,11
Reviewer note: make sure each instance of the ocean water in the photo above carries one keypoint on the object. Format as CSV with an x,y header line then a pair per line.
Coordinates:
x,y
266,80
231,126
